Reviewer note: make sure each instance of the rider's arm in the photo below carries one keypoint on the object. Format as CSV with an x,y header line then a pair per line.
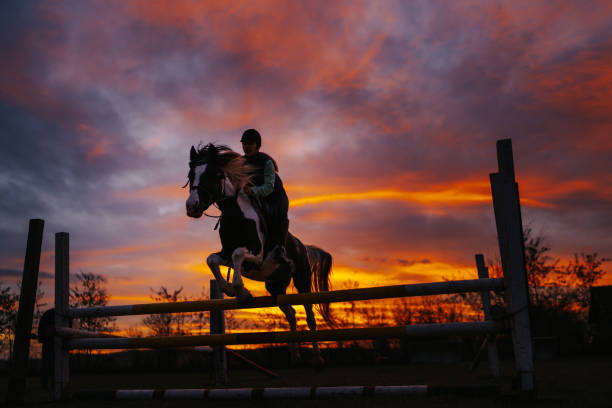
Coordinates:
x,y
268,185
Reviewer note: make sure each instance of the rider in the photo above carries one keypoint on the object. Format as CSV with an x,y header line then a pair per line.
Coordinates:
x,y
268,187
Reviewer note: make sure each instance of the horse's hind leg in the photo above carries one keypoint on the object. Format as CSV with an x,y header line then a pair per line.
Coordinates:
x,y
213,261
294,348
277,285
243,296
302,279
317,360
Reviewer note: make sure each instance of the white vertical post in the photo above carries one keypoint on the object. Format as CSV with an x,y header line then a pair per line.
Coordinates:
x,y
493,354
217,326
507,209
62,288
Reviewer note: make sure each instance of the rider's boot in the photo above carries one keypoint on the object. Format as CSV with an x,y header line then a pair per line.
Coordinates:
x,y
279,238
279,254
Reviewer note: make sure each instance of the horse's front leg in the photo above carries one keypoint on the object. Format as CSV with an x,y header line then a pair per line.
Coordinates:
x,y
213,261
294,348
317,360
238,257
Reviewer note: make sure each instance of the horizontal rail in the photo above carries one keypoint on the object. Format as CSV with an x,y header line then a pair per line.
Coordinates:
x,y
345,295
411,331
291,392
79,333
254,393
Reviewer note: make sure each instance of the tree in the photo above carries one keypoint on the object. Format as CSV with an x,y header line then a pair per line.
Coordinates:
x,y
166,324
559,294
538,264
9,307
559,287
583,272
9,302
90,291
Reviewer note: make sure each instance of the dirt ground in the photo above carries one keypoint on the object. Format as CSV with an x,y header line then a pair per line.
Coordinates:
x,y
564,382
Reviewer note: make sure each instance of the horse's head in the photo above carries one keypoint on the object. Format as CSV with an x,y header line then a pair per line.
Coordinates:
x,y
205,179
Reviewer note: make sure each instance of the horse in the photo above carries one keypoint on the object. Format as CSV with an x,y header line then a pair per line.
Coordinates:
x,y
217,175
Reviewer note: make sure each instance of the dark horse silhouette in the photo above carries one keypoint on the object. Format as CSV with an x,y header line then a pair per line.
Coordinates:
x,y
217,175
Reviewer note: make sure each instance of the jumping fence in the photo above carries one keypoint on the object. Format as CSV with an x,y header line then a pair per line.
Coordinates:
x,y
514,284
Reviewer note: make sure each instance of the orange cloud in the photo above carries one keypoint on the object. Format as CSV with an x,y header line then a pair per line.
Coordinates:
x,y
276,34
546,188
128,299
422,197
131,249
581,86
221,117
165,192
469,192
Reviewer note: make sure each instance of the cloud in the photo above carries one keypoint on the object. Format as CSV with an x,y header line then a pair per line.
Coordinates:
x,y
10,273
383,119
410,262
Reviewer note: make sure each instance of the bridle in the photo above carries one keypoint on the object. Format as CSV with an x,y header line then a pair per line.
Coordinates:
x,y
223,197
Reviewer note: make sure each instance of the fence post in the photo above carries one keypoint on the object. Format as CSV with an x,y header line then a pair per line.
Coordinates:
x,y
217,326
25,314
483,273
62,291
507,210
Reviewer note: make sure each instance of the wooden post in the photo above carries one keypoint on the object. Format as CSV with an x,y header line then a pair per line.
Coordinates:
x,y
62,291
217,326
25,314
483,273
507,209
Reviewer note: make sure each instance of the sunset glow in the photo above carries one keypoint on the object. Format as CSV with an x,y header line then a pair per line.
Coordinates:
x,y
381,116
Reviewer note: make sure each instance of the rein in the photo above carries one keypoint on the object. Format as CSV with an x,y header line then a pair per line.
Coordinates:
x,y
214,216
215,203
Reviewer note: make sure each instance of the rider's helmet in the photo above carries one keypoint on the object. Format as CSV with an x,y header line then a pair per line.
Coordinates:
x,y
251,135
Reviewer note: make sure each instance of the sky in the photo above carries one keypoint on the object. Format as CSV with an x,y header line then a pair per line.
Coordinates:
x,y
382,116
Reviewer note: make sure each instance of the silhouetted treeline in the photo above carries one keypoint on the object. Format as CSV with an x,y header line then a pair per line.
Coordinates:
x,y
9,305
559,293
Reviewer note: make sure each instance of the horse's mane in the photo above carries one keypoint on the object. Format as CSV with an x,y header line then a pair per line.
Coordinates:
x,y
232,164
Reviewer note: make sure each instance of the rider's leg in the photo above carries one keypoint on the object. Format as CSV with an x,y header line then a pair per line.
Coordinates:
x,y
279,227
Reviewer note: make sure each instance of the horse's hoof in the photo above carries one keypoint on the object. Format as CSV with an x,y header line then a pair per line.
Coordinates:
x,y
243,296
228,290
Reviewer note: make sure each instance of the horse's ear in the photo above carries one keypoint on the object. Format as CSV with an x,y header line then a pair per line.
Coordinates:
x,y
212,150
193,155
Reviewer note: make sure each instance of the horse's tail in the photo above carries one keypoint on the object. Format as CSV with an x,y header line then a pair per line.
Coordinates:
x,y
320,266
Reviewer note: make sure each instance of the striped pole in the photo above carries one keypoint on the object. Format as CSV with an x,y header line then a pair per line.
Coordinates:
x,y
411,331
291,392
346,295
